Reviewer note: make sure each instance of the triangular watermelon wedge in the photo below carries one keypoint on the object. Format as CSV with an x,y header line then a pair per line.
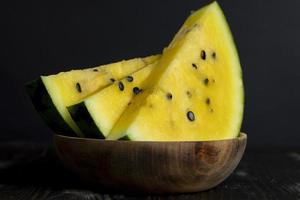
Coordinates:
x,y
51,95
195,93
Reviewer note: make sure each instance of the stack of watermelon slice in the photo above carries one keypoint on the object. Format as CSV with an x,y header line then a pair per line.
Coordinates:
x,y
193,91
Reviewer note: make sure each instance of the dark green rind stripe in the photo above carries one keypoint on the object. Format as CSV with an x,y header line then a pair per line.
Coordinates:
x,y
46,108
84,121
126,137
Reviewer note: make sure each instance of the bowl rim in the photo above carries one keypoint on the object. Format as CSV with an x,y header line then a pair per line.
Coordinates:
x,y
241,136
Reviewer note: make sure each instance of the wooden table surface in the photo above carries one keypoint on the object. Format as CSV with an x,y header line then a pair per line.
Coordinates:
x,y
32,171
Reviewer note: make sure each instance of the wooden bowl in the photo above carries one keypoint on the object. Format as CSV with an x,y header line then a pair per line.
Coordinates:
x,y
152,167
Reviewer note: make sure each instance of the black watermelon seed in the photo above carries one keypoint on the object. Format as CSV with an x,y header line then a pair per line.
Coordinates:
x,y
78,87
136,90
129,103
129,78
112,80
121,86
95,70
169,96
188,93
207,101
203,55
190,115
194,65
214,55
206,81
187,31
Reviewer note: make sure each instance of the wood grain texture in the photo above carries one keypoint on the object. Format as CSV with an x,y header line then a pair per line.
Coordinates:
x,y
152,167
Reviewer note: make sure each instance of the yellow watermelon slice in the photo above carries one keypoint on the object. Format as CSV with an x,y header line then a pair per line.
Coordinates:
x,y
195,93
52,94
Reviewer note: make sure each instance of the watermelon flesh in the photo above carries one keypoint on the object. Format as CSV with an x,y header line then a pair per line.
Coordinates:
x,y
195,93
97,114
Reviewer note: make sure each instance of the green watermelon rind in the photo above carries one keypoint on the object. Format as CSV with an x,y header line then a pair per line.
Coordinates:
x,y
80,114
44,105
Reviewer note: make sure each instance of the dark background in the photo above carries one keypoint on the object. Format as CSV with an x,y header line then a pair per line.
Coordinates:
x,y
45,37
